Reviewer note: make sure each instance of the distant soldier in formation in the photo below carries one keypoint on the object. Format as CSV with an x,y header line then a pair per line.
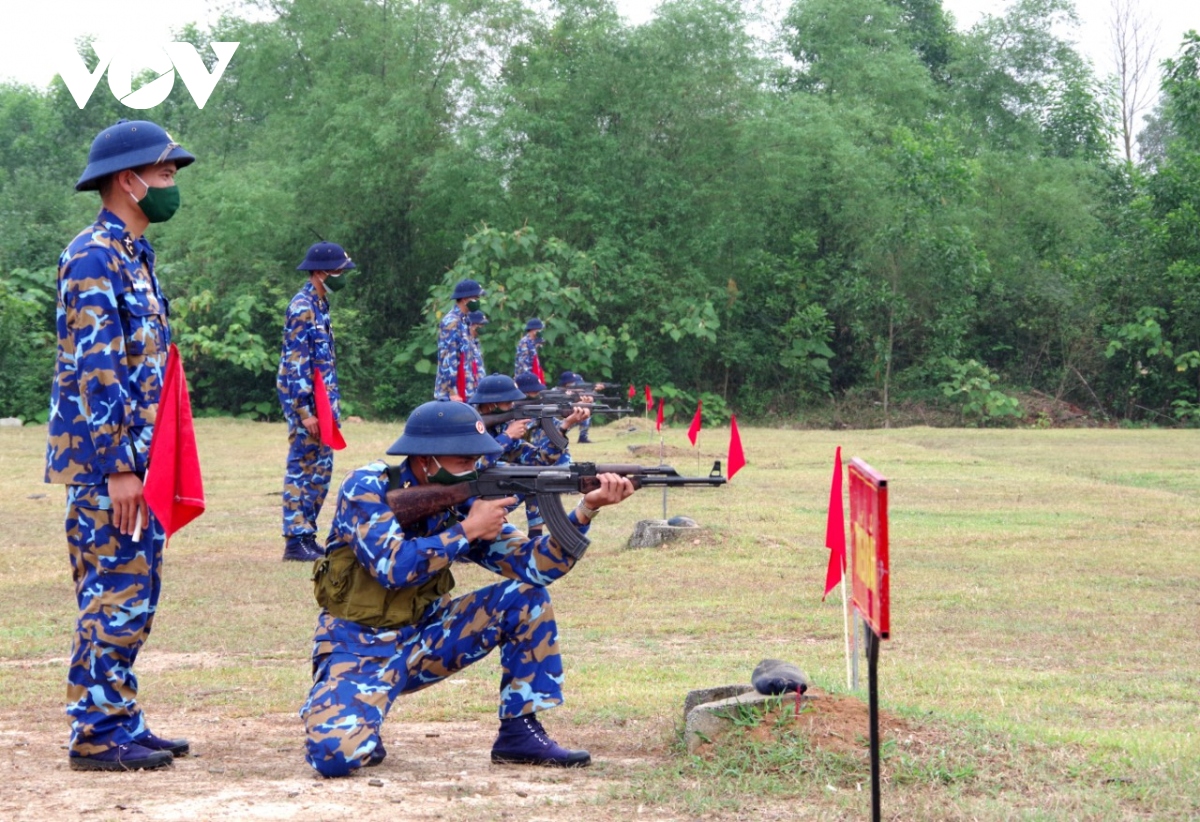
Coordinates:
x,y
522,445
569,379
527,350
307,349
455,380
476,320
388,625
113,340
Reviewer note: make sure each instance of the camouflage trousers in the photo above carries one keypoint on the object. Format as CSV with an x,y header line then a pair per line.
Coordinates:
x,y
117,582
306,481
355,683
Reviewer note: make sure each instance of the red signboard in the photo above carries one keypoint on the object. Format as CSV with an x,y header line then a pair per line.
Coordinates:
x,y
869,569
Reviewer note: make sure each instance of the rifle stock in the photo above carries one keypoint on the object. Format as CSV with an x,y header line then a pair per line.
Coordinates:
x,y
413,504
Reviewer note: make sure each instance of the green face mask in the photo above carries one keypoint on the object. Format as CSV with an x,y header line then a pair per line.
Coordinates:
x,y
473,305
159,204
335,282
444,477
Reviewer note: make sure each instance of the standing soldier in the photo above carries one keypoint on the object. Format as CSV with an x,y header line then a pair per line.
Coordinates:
x,y
113,338
476,320
308,349
454,379
527,350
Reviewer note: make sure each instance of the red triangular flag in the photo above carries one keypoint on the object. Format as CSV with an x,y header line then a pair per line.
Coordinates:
x,y
694,428
331,434
835,529
462,380
537,369
658,419
174,489
631,391
737,457
649,400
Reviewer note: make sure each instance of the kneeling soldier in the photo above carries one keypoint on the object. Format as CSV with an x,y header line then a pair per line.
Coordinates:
x,y
388,624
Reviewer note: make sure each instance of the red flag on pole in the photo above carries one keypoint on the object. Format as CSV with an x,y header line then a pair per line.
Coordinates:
x,y
835,529
659,419
462,380
331,434
649,400
737,457
694,428
631,391
174,489
537,369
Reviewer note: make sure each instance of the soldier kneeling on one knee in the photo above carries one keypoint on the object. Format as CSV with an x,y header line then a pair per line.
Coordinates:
x,y
388,624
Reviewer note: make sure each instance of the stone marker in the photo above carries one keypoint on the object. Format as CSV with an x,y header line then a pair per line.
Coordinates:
x,y
10,422
709,720
648,533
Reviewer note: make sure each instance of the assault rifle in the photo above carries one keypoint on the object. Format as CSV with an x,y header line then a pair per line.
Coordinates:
x,y
573,393
546,413
413,504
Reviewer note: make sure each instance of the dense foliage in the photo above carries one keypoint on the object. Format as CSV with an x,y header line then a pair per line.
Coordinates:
x,y
866,203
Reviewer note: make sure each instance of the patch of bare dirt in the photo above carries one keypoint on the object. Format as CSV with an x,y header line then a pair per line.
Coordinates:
x,y
652,452
254,769
834,723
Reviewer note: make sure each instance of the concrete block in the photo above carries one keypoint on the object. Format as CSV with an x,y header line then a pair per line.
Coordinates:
x,y
648,533
707,721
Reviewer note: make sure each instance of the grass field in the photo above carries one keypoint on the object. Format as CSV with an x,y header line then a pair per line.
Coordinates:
x,y
1045,618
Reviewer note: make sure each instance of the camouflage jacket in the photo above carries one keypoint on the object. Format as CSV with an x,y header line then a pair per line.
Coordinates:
x,y
113,337
307,343
527,354
399,558
537,449
454,346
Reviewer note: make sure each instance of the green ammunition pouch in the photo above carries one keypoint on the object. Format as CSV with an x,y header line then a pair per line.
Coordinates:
x,y
347,590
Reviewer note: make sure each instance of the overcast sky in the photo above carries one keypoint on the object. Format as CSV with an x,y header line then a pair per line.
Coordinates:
x,y
39,30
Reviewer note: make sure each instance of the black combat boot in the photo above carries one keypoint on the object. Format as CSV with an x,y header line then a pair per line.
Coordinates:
x,y
523,741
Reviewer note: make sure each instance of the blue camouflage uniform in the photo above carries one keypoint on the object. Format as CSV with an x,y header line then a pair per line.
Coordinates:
x,y
477,369
307,344
538,450
526,354
454,346
113,337
358,671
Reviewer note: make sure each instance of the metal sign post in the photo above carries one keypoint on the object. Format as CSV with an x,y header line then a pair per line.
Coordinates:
x,y
871,575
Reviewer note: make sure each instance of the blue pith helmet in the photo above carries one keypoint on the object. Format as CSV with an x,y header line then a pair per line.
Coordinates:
x,y
445,427
477,318
534,324
496,388
529,383
326,257
569,378
129,144
467,288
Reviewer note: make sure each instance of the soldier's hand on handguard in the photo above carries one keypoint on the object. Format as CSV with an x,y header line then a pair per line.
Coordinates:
x,y
486,518
577,415
613,489
516,429
125,491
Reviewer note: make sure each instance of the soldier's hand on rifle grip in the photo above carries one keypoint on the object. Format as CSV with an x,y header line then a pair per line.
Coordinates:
x,y
613,488
486,518
516,429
